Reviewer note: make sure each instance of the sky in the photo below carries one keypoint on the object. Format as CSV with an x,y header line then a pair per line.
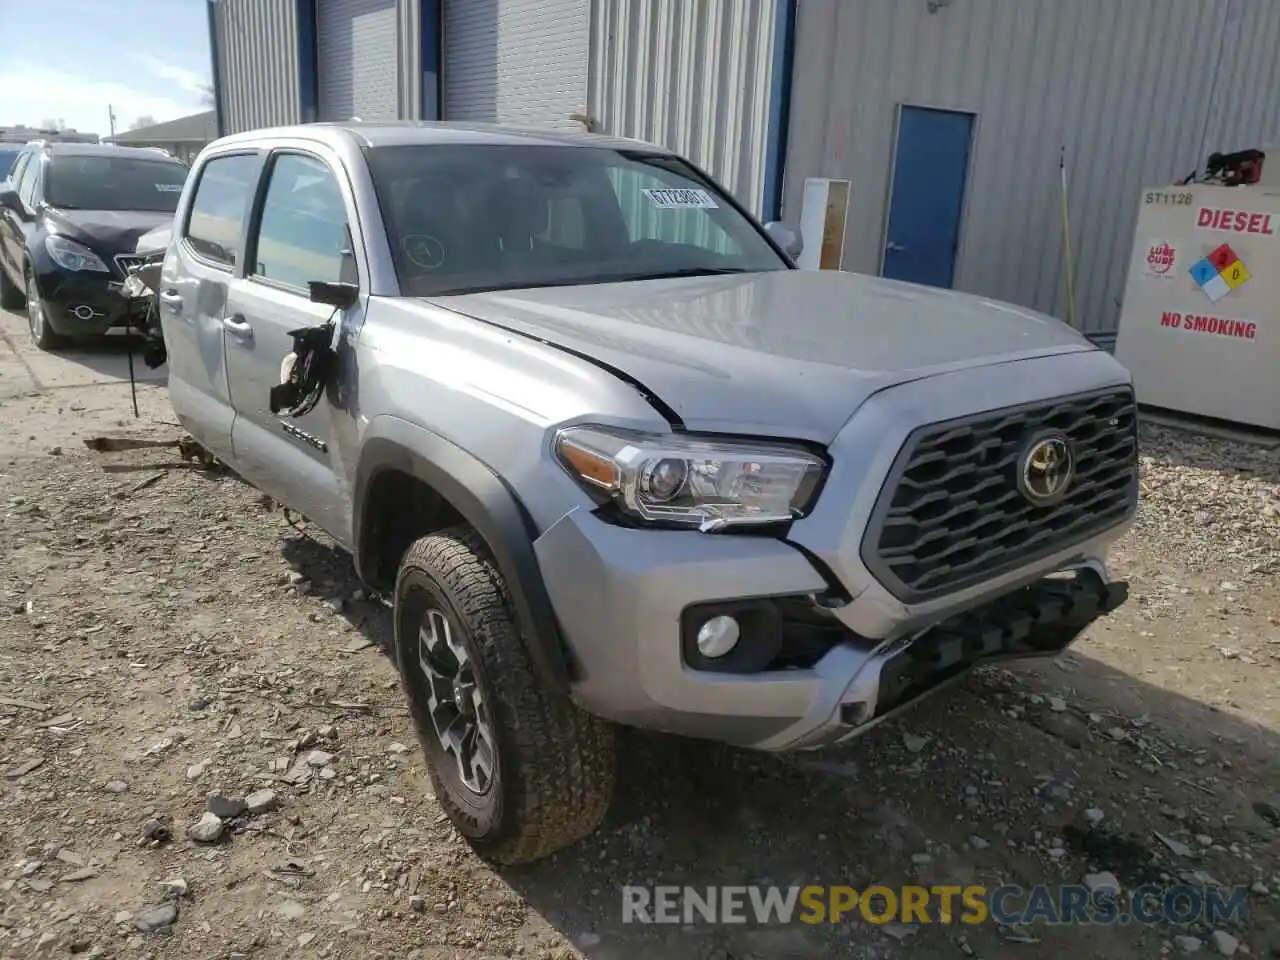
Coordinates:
x,y
144,58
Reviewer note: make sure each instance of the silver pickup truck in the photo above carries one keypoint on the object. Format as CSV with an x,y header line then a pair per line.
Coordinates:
x,y
615,460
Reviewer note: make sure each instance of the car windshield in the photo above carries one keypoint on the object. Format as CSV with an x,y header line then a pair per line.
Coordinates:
x,y
463,218
113,183
6,161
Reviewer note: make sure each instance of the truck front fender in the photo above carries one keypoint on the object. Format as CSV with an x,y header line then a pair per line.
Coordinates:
x,y
487,504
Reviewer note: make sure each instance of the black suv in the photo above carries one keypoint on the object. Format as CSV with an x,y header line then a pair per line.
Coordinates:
x,y
70,218
8,154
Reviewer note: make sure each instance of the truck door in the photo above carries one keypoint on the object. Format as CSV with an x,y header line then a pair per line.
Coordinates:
x,y
195,285
300,234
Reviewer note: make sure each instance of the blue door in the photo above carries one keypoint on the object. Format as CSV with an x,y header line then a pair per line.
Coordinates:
x,y
929,173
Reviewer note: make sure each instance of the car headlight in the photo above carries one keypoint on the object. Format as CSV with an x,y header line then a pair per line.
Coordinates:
x,y
679,480
70,255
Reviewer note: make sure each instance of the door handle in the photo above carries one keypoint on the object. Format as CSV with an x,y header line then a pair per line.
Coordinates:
x,y
171,299
238,327
896,247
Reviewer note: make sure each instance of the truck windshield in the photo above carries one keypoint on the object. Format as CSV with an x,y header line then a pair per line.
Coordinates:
x,y
113,183
7,157
463,218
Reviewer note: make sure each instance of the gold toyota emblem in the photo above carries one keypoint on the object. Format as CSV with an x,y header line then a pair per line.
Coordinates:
x,y
1047,469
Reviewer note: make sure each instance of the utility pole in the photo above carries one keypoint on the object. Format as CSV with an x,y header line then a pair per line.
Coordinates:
x,y
111,118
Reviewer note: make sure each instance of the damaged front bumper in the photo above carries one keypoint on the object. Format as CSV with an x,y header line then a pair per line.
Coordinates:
x,y
1037,621
139,289
631,602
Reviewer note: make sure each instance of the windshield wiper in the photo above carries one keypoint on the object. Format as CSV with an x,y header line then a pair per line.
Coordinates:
x,y
589,280
671,274
497,287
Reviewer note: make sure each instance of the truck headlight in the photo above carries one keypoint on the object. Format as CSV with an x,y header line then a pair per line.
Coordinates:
x,y
686,481
70,255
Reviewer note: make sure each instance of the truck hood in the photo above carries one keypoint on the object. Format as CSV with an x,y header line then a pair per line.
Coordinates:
x,y
782,353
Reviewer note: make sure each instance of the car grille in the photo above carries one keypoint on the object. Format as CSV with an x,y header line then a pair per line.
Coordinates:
x,y
126,262
952,515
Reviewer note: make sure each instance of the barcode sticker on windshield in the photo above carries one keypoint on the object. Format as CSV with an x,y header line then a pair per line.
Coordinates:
x,y
669,198
169,187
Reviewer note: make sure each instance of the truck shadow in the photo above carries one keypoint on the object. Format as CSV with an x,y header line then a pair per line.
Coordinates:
x,y
956,791
987,783
107,357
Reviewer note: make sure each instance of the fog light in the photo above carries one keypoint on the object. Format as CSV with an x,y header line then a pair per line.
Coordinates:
x,y
718,636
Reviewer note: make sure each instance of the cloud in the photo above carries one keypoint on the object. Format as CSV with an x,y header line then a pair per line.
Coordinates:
x,y
33,92
188,81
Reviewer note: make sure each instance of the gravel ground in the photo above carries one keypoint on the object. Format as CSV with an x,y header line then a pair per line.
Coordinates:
x,y
170,645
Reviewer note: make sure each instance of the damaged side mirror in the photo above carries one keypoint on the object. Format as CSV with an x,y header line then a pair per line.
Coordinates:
x,y
340,295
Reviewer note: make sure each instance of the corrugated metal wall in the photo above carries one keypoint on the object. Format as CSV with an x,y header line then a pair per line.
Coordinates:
x,y
257,69
691,75
1138,92
471,60
358,57
515,61
258,72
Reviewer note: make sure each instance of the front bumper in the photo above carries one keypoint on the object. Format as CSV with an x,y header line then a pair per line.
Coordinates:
x,y
854,653
627,591
83,303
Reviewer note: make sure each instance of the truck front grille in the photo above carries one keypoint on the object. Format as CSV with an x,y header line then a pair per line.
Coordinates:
x,y
952,514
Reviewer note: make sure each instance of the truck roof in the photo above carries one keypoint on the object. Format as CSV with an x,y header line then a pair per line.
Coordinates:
x,y
406,132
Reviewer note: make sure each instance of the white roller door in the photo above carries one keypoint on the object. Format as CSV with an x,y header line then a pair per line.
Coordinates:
x,y
357,59
516,61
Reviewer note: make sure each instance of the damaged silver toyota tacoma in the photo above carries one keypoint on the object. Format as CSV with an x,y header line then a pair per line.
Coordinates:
x,y
615,460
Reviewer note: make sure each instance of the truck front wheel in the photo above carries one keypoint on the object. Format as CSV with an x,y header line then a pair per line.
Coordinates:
x,y
519,770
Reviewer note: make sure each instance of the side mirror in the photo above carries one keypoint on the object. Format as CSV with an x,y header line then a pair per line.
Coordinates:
x,y
788,239
340,295
9,198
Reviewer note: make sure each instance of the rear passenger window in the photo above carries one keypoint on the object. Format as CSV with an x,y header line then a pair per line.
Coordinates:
x,y
219,206
302,234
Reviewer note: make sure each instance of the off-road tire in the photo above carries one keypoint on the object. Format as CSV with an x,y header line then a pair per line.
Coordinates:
x,y
11,295
556,764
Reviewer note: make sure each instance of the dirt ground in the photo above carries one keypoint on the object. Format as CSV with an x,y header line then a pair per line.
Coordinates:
x,y
165,635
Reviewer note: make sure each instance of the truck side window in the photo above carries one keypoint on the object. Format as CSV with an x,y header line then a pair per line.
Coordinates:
x,y
219,206
302,233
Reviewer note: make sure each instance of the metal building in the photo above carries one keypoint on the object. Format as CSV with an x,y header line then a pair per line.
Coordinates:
x,y
948,118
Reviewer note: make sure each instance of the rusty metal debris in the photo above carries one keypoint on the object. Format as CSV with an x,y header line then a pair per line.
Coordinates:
x,y
192,453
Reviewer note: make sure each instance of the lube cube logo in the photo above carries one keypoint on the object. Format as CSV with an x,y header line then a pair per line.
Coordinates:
x,y
1220,272
1160,258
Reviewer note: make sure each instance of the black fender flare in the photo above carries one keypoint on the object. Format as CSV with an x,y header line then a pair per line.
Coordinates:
x,y
488,505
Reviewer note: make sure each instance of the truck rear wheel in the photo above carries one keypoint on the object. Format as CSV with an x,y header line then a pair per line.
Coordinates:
x,y
519,770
